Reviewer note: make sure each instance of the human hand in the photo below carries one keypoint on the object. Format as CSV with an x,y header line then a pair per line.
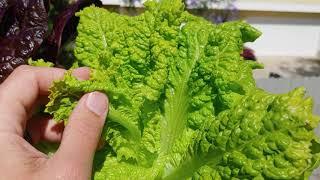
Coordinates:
x,y
19,95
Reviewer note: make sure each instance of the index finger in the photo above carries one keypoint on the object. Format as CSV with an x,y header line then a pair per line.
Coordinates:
x,y
26,83
20,91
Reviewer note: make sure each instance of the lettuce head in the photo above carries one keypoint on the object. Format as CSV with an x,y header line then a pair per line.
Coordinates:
x,y
183,102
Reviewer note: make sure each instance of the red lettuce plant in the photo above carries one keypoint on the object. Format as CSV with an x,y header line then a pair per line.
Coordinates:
x,y
24,35
36,28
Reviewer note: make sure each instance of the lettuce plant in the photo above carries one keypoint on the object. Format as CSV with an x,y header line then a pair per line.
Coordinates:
x,y
183,101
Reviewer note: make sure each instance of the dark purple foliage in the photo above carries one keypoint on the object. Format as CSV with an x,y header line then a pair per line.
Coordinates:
x,y
53,42
4,6
24,31
24,35
47,4
64,31
248,54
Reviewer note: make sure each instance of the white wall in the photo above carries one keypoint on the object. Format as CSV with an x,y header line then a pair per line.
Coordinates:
x,y
287,36
304,6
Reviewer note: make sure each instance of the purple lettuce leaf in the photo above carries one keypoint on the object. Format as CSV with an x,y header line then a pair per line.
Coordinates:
x,y
24,35
56,48
4,6
248,54
54,40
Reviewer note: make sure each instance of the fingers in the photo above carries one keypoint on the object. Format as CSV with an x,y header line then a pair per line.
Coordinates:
x,y
82,134
20,91
26,83
45,129
82,73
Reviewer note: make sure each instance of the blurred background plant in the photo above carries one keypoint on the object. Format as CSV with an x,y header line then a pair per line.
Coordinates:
x,y
62,25
220,10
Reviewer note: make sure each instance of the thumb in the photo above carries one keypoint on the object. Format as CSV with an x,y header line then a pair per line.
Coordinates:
x,y
82,134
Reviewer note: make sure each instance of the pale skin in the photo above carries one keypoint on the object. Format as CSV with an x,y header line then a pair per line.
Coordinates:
x,y
25,89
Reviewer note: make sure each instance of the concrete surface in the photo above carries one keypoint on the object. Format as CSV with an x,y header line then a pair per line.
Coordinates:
x,y
288,67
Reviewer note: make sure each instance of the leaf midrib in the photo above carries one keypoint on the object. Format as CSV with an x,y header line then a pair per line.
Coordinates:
x,y
177,106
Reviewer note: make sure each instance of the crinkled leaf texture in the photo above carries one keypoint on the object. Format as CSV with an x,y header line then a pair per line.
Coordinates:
x,y
40,63
183,102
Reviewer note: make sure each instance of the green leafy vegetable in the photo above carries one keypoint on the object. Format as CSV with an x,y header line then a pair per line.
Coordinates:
x,y
183,102
40,63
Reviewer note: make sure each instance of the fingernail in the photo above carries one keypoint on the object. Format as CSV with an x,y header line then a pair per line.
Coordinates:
x,y
97,103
